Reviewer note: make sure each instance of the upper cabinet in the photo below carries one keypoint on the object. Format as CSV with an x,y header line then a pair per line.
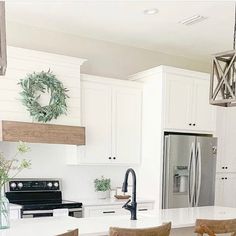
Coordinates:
x,y
111,113
187,104
185,99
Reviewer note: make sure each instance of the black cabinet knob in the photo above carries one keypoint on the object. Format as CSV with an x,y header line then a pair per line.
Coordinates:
x,y
114,158
223,167
109,158
226,178
190,124
226,167
194,124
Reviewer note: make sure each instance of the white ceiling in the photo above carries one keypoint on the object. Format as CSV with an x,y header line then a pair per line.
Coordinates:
x,y
123,22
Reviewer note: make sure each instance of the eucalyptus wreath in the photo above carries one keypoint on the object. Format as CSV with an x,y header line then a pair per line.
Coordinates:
x,y
42,82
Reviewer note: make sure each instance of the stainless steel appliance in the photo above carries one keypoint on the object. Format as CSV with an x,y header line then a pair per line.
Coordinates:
x,y
40,197
189,171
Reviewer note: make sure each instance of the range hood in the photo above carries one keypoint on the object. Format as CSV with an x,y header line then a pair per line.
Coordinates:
x,y
14,131
3,46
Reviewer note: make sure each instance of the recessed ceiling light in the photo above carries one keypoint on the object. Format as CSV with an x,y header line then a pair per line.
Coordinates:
x,y
192,20
151,11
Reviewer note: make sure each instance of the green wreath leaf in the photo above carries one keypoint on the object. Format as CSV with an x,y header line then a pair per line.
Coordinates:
x,y
43,82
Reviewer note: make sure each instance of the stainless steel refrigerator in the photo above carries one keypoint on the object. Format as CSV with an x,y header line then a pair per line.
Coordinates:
x,y
189,169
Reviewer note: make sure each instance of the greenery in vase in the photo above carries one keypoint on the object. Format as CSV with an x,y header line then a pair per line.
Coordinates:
x,y
10,168
102,184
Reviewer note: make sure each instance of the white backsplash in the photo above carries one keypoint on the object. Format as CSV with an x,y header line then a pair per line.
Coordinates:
x,y
49,161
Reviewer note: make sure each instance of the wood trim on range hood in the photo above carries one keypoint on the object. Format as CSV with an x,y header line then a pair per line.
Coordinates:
x,y
14,131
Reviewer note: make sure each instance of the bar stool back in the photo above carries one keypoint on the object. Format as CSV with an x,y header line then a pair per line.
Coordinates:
x,y
163,230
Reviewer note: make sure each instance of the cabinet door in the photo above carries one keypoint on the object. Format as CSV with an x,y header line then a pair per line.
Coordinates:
x,y
179,99
229,159
96,117
219,190
126,125
229,190
203,112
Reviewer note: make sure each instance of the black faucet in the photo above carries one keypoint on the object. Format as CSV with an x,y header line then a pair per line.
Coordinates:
x,y
133,206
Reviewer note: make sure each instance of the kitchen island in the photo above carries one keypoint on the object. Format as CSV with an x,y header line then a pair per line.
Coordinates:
x,y
183,220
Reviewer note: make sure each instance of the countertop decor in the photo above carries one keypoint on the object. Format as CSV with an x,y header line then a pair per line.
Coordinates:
x,y
9,168
102,187
42,82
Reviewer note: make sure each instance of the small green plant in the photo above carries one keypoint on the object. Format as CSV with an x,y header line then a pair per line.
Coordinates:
x,y
102,184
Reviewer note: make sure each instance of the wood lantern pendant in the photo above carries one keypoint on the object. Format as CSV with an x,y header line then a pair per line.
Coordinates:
x,y
223,77
3,47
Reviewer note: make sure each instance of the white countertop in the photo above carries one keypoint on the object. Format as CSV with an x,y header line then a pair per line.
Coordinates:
x,y
14,207
110,201
180,218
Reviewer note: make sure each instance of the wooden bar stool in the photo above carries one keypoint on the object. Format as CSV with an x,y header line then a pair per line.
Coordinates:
x,y
213,227
71,233
163,230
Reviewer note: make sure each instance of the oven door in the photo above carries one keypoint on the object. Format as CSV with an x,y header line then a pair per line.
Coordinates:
x,y
76,212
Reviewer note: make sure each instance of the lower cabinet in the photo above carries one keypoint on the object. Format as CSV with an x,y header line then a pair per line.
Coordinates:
x,y
15,214
114,210
225,190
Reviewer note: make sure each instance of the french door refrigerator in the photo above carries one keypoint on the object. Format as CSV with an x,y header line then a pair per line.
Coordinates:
x,y
189,170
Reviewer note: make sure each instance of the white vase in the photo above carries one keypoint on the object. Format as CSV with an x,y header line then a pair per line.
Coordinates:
x,y
103,194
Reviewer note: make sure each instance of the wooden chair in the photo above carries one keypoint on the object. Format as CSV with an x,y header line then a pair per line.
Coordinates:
x,y
163,230
71,233
213,227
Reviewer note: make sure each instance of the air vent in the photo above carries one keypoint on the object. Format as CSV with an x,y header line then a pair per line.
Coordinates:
x,y
192,20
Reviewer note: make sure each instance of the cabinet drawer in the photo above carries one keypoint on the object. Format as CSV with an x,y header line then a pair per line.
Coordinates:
x,y
104,211
112,210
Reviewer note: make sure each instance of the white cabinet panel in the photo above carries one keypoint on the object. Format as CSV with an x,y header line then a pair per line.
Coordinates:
x,y
111,210
111,114
187,104
203,113
96,117
229,160
126,125
179,92
226,190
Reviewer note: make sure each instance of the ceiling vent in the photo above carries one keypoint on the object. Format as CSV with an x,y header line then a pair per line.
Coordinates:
x,y
192,20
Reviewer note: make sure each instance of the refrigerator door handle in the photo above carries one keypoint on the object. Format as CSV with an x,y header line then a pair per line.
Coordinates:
x,y
191,184
199,164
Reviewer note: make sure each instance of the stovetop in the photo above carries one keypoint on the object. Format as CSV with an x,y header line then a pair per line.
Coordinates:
x,y
38,194
48,205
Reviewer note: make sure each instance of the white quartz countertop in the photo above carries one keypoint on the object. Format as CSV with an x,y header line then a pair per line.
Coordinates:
x,y
14,207
180,218
110,201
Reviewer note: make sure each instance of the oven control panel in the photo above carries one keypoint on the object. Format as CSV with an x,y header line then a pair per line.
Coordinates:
x,y
34,185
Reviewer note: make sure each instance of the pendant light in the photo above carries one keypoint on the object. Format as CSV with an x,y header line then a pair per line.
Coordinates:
x,y
223,76
3,47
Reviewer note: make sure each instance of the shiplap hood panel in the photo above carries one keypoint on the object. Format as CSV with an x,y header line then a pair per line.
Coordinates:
x,y
13,131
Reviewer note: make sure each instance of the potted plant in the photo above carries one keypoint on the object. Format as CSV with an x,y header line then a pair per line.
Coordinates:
x,y
102,187
9,168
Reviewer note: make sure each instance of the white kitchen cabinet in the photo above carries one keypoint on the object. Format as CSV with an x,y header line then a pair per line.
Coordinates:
x,y
97,211
226,133
179,100
187,103
126,135
225,190
111,113
96,117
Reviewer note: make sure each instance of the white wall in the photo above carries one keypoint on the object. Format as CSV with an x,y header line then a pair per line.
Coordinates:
x,y
104,58
49,160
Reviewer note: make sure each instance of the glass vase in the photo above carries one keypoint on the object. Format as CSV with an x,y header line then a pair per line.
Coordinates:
x,y
4,211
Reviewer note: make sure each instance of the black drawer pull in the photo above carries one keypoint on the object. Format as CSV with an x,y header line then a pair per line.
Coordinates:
x,y
143,209
109,212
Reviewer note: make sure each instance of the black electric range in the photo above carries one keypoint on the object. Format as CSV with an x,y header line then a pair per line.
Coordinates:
x,y
40,197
